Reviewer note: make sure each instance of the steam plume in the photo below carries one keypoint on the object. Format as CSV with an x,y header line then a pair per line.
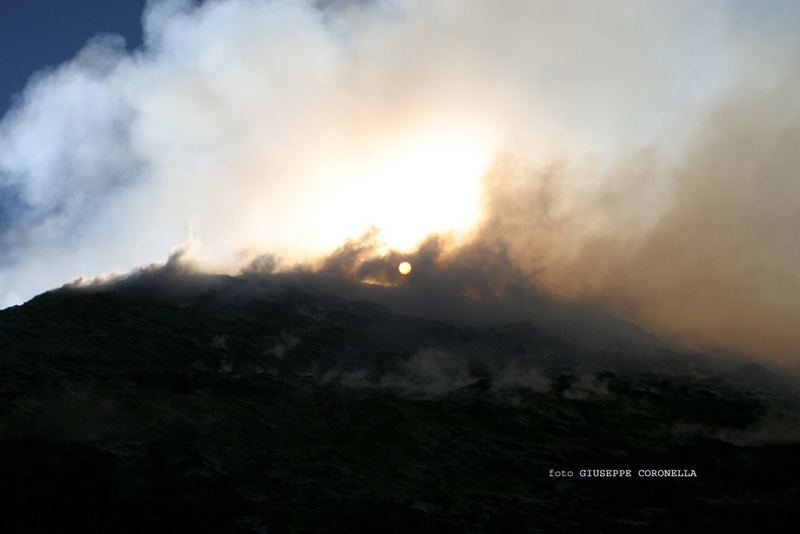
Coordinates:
x,y
644,155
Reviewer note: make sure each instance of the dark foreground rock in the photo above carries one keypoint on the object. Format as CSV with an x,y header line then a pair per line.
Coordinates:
x,y
120,412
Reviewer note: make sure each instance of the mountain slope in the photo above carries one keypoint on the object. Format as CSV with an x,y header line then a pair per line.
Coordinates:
x,y
128,409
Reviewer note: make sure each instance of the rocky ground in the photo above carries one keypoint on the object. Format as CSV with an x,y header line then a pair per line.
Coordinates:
x,y
125,411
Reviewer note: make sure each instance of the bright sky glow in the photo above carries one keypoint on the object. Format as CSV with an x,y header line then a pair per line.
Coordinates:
x,y
407,188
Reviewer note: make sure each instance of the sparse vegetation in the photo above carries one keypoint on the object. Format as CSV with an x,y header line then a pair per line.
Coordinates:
x,y
123,412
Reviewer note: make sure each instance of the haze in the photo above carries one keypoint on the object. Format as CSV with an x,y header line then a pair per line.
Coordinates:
x,y
639,156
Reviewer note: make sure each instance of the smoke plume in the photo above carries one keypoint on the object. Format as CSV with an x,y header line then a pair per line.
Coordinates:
x,y
638,157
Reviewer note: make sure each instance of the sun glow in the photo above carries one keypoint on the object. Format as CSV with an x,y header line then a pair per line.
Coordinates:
x,y
408,188
406,182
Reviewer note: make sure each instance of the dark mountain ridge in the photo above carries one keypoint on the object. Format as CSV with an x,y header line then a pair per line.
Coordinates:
x,y
295,403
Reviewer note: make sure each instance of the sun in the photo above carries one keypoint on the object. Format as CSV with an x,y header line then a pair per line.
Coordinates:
x,y
404,268
436,175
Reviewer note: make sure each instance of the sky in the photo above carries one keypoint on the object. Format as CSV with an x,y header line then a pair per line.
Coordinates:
x,y
40,34
639,155
35,34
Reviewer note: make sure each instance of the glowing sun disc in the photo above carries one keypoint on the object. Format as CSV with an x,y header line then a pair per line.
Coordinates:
x,y
404,268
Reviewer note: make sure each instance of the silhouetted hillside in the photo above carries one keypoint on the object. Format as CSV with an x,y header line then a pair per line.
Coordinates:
x,y
216,407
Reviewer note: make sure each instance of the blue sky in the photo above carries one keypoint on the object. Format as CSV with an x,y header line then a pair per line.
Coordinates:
x,y
247,126
38,33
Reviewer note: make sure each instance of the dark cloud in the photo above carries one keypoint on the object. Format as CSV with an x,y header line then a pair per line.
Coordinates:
x,y
646,173
715,265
